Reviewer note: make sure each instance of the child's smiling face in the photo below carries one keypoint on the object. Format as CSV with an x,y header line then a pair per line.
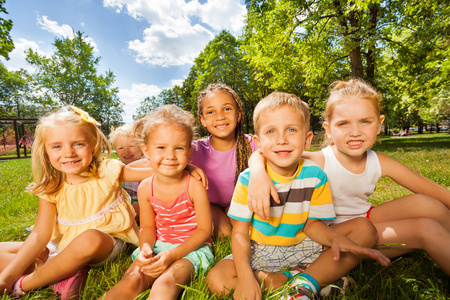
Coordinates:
x,y
282,138
126,149
69,151
354,126
220,114
168,149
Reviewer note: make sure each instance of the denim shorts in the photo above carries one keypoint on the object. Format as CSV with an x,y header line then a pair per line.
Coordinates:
x,y
201,258
271,258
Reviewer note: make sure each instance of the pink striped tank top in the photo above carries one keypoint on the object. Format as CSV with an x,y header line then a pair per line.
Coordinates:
x,y
175,221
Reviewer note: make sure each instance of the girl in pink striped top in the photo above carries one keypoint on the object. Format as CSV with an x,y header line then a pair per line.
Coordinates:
x,y
175,213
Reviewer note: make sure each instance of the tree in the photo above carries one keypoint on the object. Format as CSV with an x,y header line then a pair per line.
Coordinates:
x,y
167,96
304,45
6,42
69,76
222,61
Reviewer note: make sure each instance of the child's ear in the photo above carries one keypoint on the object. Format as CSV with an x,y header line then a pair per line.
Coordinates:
x,y
202,120
144,150
257,142
326,126
308,140
381,123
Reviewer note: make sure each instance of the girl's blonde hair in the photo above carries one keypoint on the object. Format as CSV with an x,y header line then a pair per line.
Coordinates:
x,y
166,115
243,149
47,179
124,130
353,89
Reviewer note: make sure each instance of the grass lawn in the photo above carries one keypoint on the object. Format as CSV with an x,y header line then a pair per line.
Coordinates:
x,y
412,276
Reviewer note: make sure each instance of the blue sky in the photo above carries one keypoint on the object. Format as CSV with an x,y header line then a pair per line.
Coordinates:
x,y
149,45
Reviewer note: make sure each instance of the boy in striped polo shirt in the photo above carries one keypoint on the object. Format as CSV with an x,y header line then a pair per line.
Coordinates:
x,y
295,233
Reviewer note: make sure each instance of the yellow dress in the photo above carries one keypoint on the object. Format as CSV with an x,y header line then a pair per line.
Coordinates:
x,y
98,203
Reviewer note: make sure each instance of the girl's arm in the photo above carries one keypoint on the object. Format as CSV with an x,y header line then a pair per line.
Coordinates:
x,y
194,170
32,247
198,238
147,232
260,187
411,180
135,174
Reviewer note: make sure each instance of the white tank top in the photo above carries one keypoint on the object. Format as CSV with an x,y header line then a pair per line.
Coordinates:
x,y
350,191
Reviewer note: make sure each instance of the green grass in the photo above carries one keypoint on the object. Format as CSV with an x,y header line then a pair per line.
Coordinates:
x,y
412,276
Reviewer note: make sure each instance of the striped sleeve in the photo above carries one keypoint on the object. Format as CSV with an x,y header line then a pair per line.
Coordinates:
x,y
238,208
321,200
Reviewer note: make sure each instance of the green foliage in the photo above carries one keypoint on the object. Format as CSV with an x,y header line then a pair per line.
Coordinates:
x,y
6,42
222,61
167,96
70,76
412,276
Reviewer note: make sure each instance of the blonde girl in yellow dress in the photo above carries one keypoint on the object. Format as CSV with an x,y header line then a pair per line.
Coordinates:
x,y
83,211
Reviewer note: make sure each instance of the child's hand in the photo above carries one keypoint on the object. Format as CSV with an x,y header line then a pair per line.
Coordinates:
x,y
247,289
343,244
161,262
145,256
198,174
260,189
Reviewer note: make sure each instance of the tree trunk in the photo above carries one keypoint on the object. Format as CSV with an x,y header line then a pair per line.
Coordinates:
x,y
370,56
355,53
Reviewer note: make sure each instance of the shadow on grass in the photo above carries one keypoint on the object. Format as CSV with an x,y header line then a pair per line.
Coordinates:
x,y
413,143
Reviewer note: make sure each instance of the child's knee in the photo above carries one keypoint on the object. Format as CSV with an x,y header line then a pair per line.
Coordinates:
x,y
215,280
132,284
364,233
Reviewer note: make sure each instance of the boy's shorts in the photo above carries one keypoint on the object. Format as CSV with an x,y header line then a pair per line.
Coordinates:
x,y
116,250
201,258
271,259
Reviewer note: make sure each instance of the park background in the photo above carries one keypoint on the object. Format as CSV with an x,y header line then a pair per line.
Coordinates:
x,y
401,47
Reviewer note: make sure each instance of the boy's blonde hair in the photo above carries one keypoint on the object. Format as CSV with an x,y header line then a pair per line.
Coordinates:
x,y
124,131
47,179
166,115
243,149
277,100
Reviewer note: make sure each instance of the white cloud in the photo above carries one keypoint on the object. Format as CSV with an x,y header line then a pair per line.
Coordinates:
x,y
132,98
17,56
178,30
178,82
53,27
64,30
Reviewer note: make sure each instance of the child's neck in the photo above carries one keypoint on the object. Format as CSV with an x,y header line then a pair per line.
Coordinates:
x,y
75,179
168,188
223,144
354,164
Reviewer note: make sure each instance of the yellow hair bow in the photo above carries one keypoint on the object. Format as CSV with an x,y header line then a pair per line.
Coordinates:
x,y
85,116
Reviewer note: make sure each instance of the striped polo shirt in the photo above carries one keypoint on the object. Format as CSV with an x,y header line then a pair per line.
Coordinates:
x,y
305,195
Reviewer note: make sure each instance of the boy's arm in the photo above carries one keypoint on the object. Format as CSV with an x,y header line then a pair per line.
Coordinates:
x,y
260,187
327,236
411,180
247,287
